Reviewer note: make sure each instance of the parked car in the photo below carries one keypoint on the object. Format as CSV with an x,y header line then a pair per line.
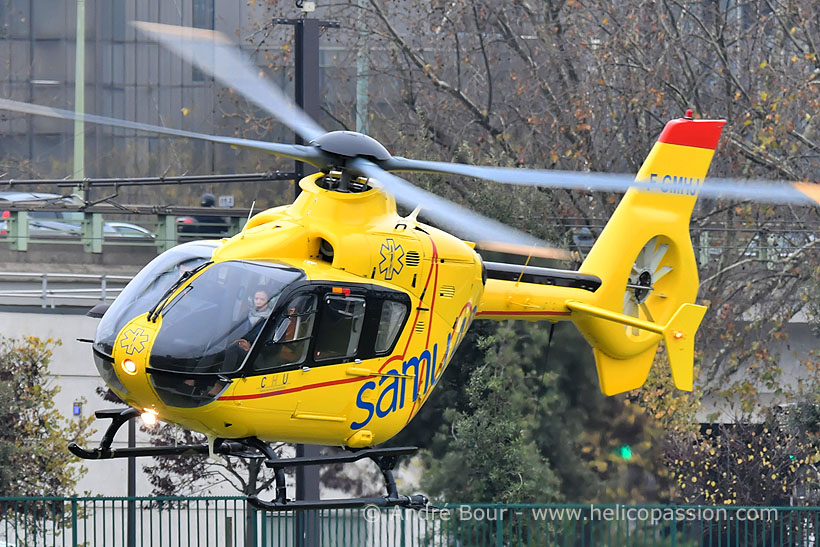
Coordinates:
x,y
583,239
125,229
61,223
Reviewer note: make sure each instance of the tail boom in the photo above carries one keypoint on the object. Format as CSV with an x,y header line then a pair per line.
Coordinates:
x,y
643,266
645,260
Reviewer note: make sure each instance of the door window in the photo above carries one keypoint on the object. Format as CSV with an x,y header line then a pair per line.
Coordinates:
x,y
287,343
390,322
340,327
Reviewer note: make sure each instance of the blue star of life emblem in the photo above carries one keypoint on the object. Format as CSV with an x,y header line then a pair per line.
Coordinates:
x,y
133,340
392,259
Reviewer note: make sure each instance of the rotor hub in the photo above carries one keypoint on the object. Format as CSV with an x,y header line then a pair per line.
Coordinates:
x,y
350,144
645,282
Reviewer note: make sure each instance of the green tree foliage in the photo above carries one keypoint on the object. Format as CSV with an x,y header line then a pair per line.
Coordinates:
x,y
491,453
521,420
34,459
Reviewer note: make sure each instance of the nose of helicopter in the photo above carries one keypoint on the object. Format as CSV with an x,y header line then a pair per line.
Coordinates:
x,y
147,388
131,354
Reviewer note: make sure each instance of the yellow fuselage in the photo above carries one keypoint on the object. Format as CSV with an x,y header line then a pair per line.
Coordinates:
x,y
356,403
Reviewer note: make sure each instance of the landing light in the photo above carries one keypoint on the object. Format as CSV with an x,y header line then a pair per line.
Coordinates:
x,y
129,366
678,335
149,417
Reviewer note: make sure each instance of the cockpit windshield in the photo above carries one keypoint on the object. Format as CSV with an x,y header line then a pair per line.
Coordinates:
x,y
210,326
147,288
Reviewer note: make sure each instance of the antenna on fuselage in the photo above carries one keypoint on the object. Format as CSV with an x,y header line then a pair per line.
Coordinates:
x,y
414,215
250,214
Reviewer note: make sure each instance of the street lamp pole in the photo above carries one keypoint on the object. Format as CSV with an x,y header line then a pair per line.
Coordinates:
x,y
79,94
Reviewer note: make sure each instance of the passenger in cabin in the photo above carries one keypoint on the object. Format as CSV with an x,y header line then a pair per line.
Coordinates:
x,y
287,343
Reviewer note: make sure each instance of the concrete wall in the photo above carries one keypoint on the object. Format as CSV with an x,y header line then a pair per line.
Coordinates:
x,y
75,373
792,354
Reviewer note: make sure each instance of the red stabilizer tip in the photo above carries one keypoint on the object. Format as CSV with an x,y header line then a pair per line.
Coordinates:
x,y
697,133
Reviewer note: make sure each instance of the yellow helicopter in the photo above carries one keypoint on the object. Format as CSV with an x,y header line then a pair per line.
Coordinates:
x,y
329,321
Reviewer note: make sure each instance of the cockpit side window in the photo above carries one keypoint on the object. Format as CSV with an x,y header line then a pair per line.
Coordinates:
x,y
340,327
322,325
287,342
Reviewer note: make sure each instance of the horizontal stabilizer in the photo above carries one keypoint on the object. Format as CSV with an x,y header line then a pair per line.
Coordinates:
x,y
626,373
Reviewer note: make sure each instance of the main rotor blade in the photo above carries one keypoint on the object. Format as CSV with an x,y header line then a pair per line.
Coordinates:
x,y
796,193
213,53
308,154
456,218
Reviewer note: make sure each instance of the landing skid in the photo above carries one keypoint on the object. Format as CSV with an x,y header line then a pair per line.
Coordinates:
x,y
120,417
253,448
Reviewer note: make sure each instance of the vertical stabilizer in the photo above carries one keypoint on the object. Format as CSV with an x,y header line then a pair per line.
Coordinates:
x,y
645,260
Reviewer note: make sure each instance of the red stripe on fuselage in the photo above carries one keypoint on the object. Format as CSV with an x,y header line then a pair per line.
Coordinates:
x,y
293,389
418,309
513,313
435,291
432,306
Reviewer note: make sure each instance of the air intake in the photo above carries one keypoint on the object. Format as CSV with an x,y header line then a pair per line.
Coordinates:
x,y
447,291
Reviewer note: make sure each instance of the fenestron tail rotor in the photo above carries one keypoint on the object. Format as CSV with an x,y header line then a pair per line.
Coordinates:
x,y
646,272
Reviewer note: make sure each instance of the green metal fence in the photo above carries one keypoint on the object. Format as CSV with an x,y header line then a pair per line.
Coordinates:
x,y
231,522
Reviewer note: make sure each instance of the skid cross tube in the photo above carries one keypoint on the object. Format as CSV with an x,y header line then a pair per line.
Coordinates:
x,y
343,458
385,458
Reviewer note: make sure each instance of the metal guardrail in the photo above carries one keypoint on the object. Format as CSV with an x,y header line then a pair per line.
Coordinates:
x,y
166,232
231,522
766,245
49,296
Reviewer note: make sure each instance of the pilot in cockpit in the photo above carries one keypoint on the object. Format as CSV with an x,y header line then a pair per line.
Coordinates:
x,y
250,329
262,307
